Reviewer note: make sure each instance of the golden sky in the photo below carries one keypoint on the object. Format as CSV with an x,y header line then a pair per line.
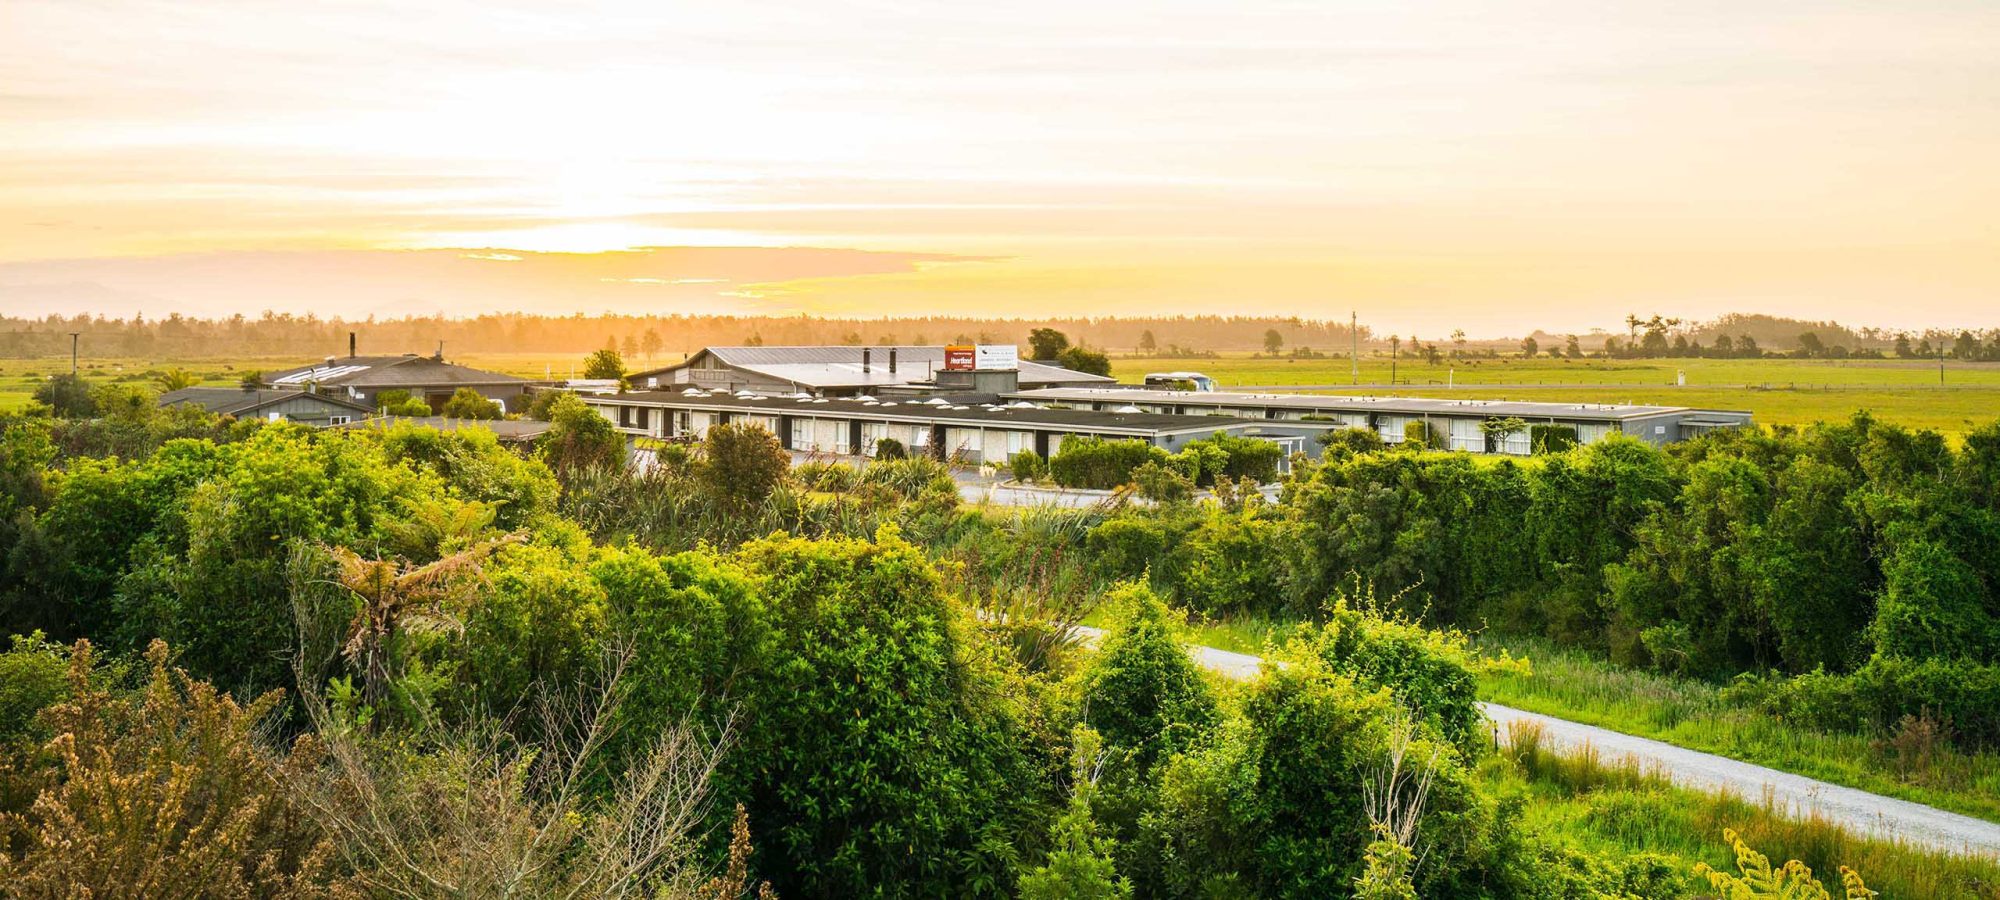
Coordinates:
x,y
1436,164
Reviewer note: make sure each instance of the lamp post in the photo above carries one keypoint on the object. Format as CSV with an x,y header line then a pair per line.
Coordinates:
x,y
72,350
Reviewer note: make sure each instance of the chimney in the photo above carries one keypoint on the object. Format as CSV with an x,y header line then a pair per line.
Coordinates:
x,y
350,345
865,366
439,356
892,360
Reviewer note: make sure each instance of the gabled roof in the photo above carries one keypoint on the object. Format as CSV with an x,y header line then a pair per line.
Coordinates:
x,y
840,366
408,370
990,415
237,401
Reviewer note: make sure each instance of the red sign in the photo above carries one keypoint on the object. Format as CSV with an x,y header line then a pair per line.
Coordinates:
x,y
960,358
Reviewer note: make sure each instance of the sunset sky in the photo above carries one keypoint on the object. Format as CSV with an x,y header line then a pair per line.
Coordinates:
x,y
1496,166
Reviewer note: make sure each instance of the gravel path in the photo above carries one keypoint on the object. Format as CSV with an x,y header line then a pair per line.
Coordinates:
x,y
1858,811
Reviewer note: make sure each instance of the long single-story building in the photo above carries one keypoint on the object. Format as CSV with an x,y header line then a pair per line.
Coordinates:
x,y
840,371
969,433
293,405
363,379
1459,422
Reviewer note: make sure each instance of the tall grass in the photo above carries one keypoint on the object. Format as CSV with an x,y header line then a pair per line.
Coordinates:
x,y
1617,806
1699,715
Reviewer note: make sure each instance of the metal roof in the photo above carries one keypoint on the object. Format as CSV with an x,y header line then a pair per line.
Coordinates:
x,y
408,370
1413,406
840,366
921,411
236,401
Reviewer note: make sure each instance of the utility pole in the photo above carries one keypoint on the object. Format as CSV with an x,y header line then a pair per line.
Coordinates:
x,y
1940,348
1354,337
77,334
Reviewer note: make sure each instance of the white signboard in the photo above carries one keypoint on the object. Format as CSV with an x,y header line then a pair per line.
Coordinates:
x,y
997,356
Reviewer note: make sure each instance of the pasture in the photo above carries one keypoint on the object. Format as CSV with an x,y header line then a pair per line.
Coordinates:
x,y
1777,391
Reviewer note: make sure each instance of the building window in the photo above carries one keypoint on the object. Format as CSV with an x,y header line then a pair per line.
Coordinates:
x,y
802,435
337,420
872,434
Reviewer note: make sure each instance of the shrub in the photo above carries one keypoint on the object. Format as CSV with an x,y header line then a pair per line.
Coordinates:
x,y
33,675
1028,466
1098,464
742,464
1079,866
1419,435
466,403
160,791
1551,438
1242,457
67,395
604,364
1140,691
1345,442
882,752
912,477
1429,672
1161,483
890,448
831,477
409,408
542,404
579,438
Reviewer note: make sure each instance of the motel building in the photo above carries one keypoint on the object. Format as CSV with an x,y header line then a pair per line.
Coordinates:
x,y
972,408
942,427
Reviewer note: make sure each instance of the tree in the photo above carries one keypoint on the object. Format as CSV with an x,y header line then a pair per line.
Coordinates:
x,y
741,463
650,343
251,380
396,596
579,438
1746,347
1141,692
1079,865
1530,347
1089,362
1273,341
1147,343
1810,345
67,395
466,403
629,347
604,364
1458,343
1046,344
1903,349
1572,348
1966,346
174,379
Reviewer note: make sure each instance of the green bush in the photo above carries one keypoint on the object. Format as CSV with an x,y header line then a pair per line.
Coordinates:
x,y
1162,483
1140,691
1551,438
911,477
33,674
1345,442
1028,466
466,403
890,448
1430,672
741,464
831,477
882,752
1098,464
1419,435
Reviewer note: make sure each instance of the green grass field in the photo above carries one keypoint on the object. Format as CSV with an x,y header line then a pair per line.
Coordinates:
x,y
1777,391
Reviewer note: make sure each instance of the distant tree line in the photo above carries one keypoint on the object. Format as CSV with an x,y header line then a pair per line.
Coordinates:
x,y
638,339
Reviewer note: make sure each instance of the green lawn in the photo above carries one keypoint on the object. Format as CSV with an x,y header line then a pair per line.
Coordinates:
x,y
1777,391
